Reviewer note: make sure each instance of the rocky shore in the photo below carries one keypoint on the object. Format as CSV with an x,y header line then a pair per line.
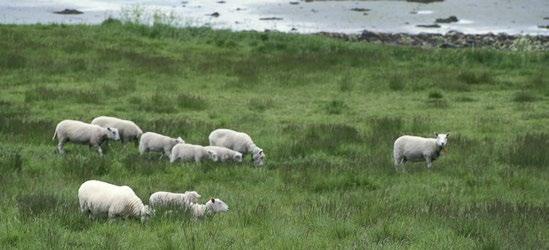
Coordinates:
x,y
452,39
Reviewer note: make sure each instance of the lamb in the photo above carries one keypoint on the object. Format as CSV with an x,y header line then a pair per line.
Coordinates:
x,y
414,149
154,142
225,154
237,141
211,207
189,152
99,198
83,133
128,130
181,200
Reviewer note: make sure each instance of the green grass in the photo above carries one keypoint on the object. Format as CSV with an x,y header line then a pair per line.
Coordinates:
x,y
325,111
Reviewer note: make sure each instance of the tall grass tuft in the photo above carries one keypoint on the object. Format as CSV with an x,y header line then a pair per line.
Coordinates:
x,y
11,161
529,150
260,104
84,167
31,205
524,96
322,137
192,102
476,77
336,107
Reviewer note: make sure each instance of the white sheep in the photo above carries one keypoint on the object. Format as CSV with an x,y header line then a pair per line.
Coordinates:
x,y
190,152
237,141
181,200
414,149
83,133
225,154
211,207
128,130
99,198
153,142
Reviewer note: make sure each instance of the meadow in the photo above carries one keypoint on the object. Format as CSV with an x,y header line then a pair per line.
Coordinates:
x,y
326,113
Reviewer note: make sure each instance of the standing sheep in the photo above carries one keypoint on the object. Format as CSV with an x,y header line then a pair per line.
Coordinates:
x,y
225,154
99,198
153,142
211,207
83,133
128,130
237,141
190,152
182,200
414,149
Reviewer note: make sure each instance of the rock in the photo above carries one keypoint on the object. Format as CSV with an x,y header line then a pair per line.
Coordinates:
x,y
270,18
428,25
215,14
451,19
69,12
360,9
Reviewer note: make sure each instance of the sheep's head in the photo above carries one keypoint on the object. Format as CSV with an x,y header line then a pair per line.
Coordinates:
x,y
442,139
191,197
217,206
179,140
212,155
258,156
112,133
146,213
237,157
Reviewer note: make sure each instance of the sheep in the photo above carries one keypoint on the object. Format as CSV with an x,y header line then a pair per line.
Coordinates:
x,y
225,154
414,149
237,141
189,152
211,207
181,200
128,130
83,133
98,198
154,142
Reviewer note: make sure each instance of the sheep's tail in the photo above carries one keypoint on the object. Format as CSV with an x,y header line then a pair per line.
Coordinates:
x,y
54,134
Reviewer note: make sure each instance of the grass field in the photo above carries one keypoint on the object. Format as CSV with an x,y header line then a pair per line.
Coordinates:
x,y
325,111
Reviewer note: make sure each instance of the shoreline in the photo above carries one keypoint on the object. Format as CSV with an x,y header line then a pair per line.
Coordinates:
x,y
452,39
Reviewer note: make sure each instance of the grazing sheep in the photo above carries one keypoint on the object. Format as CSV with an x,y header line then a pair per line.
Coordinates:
x,y
128,130
237,141
189,152
157,143
414,148
182,200
99,198
83,133
225,154
211,207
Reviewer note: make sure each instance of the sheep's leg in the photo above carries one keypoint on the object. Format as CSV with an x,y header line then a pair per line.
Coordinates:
x,y
100,150
429,162
61,147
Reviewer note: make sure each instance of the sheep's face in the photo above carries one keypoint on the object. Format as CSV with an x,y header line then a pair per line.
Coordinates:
x,y
191,197
112,133
237,157
146,213
179,140
217,205
212,155
258,157
442,140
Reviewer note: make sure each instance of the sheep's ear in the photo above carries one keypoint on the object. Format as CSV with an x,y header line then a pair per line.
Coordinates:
x,y
436,134
213,200
109,128
448,134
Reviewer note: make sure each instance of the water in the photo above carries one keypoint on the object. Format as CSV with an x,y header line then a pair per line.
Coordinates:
x,y
475,16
